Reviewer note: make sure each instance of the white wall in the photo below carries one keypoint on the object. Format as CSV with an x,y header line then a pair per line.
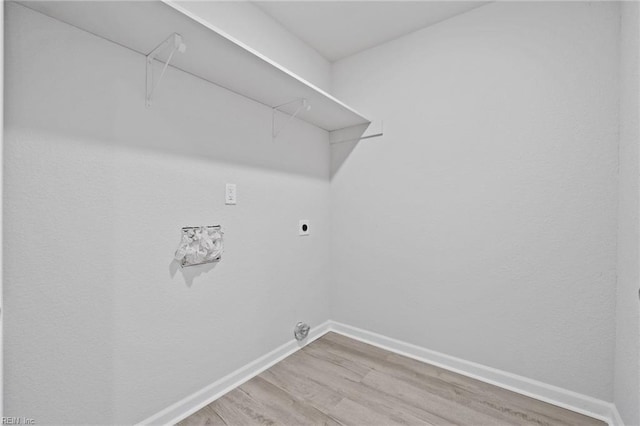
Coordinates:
x,y
102,326
627,355
250,25
483,224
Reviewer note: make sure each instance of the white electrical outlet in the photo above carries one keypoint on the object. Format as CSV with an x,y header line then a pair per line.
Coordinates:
x,y
230,194
304,227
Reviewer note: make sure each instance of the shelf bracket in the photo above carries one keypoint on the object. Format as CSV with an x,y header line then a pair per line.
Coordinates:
x,y
304,105
356,133
173,42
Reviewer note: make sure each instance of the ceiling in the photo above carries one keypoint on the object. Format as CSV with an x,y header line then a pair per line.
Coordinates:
x,y
337,29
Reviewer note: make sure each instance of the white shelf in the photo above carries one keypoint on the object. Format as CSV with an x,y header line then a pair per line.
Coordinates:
x,y
211,54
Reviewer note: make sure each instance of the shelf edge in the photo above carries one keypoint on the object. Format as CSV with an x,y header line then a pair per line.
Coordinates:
x,y
259,55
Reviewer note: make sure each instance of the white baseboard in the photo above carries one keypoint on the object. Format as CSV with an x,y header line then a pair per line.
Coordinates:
x,y
189,405
616,419
570,400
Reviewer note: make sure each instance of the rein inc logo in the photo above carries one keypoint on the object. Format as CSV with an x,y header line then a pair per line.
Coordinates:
x,y
18,421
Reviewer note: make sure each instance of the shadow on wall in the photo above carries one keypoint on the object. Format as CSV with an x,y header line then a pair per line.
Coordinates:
x,y
222,126
339,154
340,151
189,274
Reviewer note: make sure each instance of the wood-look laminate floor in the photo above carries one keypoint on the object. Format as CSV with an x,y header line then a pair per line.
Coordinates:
x,y
340,381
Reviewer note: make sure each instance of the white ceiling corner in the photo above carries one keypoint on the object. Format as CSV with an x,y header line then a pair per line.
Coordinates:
x,y
337,29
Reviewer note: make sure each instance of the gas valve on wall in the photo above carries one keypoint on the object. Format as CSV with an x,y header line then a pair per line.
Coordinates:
x,y
301,331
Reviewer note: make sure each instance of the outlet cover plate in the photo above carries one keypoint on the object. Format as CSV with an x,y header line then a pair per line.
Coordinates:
x,y
230,194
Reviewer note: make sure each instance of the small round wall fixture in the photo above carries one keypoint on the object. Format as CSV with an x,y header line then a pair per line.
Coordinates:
x,y
301,331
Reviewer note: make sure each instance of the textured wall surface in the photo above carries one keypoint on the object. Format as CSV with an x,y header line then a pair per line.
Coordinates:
x,y
483,224
627,356
250,25
101,326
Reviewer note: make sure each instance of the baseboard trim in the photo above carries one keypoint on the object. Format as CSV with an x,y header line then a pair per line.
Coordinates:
x,y
194,402
616,419
564,398
570,400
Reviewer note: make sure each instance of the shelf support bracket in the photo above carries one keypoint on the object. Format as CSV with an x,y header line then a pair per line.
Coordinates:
x,y
304,105
173,42
356,133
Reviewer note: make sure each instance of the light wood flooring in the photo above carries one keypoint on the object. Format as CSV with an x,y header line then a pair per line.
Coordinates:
x,y
340,381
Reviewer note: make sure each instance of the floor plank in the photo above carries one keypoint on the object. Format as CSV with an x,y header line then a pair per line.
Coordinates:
x,y
340,381
204,417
